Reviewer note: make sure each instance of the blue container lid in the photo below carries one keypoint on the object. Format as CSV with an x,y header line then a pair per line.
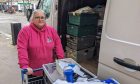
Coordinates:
x,y
68,71
111,81
72,65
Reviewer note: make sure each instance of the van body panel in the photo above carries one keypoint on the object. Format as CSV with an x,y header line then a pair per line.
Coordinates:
x,y
120,38
108,72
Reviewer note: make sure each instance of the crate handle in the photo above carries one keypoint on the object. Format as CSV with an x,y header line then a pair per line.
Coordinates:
x,y
86,51
71,38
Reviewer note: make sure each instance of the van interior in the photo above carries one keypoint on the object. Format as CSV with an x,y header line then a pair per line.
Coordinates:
x,y
65,6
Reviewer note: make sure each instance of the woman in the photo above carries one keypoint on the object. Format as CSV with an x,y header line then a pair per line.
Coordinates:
x,y
37,43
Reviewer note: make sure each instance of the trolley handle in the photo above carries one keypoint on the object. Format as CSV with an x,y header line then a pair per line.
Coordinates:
x,y
24,71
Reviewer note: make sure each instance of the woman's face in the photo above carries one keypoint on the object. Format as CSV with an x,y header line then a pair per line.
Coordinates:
x,y
39,20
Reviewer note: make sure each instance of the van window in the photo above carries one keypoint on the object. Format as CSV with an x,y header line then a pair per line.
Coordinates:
x,y
47,7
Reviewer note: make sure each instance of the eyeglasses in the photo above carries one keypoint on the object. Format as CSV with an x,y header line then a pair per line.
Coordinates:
x,y
40,17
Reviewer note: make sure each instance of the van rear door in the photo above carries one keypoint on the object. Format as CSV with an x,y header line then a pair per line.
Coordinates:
x,y
120,44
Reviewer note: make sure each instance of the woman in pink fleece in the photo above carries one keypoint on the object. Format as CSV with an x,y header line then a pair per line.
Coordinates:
x,y
37,43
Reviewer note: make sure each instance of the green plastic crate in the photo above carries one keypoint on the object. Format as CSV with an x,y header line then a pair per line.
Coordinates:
x,y
84,18
81,30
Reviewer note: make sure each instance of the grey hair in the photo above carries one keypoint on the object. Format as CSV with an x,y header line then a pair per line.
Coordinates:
x,y
36,11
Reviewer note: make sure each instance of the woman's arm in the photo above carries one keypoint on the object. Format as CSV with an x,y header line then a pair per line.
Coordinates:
x,y
22,44
58,46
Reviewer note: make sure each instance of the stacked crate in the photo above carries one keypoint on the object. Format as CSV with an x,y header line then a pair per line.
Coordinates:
x,y
81,32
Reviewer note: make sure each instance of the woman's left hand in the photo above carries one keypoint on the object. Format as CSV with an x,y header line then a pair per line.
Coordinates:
x,y
30,71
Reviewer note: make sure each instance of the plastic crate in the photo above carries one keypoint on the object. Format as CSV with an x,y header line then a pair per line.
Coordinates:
x,y
79,43
80,55
83,19
81,30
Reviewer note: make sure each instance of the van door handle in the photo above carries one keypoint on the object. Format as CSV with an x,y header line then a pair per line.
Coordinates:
x,y
125,64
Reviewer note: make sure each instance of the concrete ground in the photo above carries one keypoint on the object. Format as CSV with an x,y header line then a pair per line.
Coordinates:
x,y
9,69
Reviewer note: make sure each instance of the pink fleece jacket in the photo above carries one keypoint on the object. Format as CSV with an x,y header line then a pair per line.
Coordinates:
x,y
35,47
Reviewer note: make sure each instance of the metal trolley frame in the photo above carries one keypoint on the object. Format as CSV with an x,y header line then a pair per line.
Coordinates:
x,y
32,80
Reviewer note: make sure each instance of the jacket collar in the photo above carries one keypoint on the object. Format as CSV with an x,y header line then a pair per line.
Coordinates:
x,y
36,29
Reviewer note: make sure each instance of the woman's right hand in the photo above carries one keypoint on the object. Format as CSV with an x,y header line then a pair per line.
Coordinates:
x,y
30,71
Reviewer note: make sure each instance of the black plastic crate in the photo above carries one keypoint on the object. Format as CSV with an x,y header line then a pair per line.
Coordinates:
x,y
80,55
79,43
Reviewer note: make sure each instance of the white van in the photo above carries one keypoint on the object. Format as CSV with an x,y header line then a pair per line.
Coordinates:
x,y
119,46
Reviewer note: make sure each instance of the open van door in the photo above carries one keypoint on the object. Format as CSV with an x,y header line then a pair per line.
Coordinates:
x,y
120,44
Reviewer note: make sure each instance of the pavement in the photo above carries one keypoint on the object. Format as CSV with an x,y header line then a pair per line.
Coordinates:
x,y
9,69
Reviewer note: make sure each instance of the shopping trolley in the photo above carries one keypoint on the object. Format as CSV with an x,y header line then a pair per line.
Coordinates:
x,y
51,74
32,80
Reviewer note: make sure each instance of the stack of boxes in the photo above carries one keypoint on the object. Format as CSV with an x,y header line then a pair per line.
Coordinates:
x,y
81,33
